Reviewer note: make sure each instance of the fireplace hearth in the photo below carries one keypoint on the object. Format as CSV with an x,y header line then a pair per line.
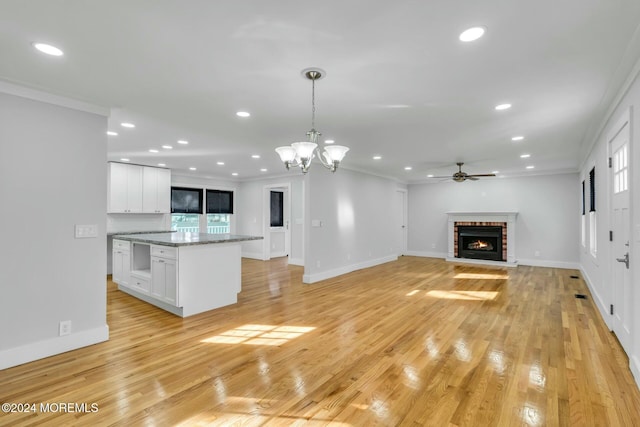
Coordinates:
x,y
480,242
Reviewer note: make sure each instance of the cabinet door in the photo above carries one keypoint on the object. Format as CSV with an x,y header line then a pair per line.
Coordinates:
x,y
171,282
164,190
158,277
117,191
121,266
164,280
134,188
150,190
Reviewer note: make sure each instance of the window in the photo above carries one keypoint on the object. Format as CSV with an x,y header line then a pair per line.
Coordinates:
x,y
219,210
593,231
186,207
186,200
218,223
277,209
219,202
620,170
185,223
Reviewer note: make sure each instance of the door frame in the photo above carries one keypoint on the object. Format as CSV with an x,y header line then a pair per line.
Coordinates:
x,y
404,219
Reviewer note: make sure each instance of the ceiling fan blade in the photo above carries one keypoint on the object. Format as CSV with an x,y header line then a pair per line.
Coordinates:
x,y
483,174
471,177
438,177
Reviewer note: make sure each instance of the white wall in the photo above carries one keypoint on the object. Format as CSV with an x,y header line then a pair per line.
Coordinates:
x,y
597,271
356,222
547,206
53,176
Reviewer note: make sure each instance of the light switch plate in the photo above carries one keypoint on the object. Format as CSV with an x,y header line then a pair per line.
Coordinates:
x,y
86,231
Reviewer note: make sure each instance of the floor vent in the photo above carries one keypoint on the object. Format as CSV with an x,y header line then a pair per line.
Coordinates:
x,y
581,296
574,277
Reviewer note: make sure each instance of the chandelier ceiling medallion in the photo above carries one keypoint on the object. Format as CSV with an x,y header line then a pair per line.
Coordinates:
x,y
302,153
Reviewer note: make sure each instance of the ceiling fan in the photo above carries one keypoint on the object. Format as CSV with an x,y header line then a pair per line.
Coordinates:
x,y
463,176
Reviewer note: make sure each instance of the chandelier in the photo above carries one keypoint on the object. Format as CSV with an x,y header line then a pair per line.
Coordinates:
x,y
302,153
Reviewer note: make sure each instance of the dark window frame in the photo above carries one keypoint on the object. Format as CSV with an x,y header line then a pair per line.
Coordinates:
x,y
592,190
277,209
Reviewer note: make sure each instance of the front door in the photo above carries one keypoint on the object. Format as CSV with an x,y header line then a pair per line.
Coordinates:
x,y
620,273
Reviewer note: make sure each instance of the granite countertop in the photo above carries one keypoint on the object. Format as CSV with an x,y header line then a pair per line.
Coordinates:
x,y
123,233
184,239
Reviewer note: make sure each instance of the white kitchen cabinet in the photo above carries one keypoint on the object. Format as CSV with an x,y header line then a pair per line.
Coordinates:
x,y
164,279
121,262
156,190
124,192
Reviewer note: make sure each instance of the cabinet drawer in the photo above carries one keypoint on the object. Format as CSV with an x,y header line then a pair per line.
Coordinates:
x,y
121,245
164,251
140,284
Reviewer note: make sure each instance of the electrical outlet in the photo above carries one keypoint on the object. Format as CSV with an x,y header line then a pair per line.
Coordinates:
x,y
433,246
536,253
64,328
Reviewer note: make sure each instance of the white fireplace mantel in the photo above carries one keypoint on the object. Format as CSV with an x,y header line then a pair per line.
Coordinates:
x,y
508,217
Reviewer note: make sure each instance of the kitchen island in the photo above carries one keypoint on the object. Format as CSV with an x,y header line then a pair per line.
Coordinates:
x,y
183,273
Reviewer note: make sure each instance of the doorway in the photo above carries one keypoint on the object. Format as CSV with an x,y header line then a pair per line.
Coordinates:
x,y
277,214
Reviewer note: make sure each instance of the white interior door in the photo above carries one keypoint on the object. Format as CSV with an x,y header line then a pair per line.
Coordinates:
x,y
400,222
278,237
620,271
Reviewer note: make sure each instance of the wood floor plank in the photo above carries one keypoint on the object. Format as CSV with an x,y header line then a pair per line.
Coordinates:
x,y
415,342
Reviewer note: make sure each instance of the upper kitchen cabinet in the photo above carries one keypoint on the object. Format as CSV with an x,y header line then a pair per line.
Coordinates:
x,y
138,189
156,190
124,192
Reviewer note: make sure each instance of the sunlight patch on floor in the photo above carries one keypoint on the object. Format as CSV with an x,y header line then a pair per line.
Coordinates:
x,y
464,295
486,276
259,335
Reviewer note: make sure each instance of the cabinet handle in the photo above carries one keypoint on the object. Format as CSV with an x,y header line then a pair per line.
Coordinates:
x,y
160,260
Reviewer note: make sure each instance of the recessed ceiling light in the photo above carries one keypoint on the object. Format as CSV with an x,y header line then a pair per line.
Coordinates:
x,y
408,168
220,163
48,49
127,125
243,114
495,172
525,156
235,174
472,34
192,168
162,164
329,141
530,167
263,170
183,142
125,160
153,150
255,156
167,147
517,138
430,176
503,107
112,133
377,157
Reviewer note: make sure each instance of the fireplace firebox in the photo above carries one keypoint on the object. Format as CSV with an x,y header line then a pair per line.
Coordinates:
x,y
480,242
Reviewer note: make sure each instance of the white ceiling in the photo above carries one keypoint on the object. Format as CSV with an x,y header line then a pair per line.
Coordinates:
x,y
399,83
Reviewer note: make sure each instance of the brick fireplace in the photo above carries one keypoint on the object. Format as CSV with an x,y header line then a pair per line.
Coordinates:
x,y
482,237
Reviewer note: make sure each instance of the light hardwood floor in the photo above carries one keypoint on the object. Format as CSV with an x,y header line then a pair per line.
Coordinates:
x,y
416,342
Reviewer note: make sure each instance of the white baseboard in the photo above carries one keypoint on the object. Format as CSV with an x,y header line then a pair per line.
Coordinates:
x,y
601,305
634,365
550,264
316,277
296,261
50,347
423,254
252,255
